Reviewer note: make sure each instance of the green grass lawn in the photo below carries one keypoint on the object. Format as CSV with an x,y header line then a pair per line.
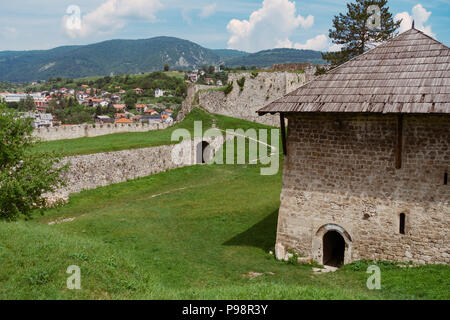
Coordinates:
x,y
175,74
191,233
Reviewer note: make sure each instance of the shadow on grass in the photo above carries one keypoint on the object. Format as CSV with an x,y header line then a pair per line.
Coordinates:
x,y
262,235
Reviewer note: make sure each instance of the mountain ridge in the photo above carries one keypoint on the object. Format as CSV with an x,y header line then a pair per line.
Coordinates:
x,y
120,56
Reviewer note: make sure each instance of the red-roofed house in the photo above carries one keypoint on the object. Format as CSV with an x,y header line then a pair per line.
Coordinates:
x,y
120,115
141,107
151,112
119,107
123,120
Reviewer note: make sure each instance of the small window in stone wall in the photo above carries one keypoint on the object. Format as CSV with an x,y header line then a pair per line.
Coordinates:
x,y
402,223
446,179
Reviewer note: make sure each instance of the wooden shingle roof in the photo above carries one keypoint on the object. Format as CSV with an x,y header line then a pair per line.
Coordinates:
x,y
407,74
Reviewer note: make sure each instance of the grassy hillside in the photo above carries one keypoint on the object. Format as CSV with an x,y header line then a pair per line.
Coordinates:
x,y
192,233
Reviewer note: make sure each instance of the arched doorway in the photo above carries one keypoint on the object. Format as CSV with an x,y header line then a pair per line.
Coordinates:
x,y
203,152
333,249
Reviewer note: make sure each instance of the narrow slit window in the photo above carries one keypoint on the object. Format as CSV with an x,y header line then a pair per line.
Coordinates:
x,y
445,178
402,223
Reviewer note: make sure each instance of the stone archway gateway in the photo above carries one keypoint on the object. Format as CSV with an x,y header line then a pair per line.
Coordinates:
x,y
333,249
332,245
203,152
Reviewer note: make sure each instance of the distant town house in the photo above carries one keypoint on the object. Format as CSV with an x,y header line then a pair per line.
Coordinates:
x,y
123,121
41,120
156,118
141,107
95,102
40,102
115,98
120,107
42,109
120,115
193,77
103,119
151,112
16,97
159,93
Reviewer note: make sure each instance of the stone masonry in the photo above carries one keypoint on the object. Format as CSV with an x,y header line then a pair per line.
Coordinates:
x,y
340,175
103,169
261,90
87,131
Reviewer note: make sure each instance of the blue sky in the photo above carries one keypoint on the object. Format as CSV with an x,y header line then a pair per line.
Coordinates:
x,y
250,25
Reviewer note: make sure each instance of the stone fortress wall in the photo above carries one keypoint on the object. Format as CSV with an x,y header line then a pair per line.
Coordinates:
x,y
258,92
85,131
102,169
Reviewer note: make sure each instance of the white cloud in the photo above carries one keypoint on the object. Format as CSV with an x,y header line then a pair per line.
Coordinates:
x,y
420,16
208,10
109,16
319,43
268,27
284,43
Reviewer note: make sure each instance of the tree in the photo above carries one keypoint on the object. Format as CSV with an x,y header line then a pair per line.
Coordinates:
x,y
166,67
320,71
25,175
26,104
360,29
98,111
130,101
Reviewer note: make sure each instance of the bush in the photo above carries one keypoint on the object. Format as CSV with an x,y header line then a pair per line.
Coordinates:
x,y
241,83
228,88
24,175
